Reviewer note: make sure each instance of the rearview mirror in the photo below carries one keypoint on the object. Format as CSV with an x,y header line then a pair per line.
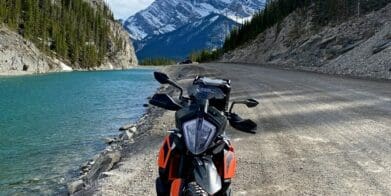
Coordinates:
x,y
245,125
251,103
165,101
162,78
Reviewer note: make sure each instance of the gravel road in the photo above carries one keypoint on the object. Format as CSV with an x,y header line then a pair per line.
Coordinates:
x,y
317,135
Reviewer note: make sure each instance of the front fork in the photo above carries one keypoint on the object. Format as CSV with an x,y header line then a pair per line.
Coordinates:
x,y
173,166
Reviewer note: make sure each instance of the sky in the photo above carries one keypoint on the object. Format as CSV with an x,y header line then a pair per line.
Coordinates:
x,y
122,9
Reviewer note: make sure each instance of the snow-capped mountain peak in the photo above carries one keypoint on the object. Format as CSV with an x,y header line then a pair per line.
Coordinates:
x,y
207,33
164,16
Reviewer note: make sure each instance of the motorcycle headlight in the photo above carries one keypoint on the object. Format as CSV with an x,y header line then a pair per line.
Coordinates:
x,y
198,134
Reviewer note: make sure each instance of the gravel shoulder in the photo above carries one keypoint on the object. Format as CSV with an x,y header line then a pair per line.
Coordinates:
x,y
317,135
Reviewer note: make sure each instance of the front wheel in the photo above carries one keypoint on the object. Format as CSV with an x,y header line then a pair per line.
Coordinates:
x,y
162,189
193,189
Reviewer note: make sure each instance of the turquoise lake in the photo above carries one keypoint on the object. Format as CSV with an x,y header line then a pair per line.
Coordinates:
x,y
51,124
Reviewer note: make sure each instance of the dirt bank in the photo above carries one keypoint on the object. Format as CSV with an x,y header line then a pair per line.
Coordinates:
x,y
358,47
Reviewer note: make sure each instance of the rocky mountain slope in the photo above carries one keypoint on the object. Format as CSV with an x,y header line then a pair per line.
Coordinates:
x,y
19,55
118,59
208,32
359,47
171,16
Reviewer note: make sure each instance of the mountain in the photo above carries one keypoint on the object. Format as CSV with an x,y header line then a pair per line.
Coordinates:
x,y
51,34
208,32
164,16
162,25
121,52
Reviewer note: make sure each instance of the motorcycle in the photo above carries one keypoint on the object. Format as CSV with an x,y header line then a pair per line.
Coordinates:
x,y
197,158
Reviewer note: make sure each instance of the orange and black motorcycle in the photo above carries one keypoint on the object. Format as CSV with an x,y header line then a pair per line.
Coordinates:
x,y
197,158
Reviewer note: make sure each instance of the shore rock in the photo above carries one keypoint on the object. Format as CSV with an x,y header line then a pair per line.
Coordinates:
x,y
109,140
133,129
75,186
107,174
126,127
126,135
104,163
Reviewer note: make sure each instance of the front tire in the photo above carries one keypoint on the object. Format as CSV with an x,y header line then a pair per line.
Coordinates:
x,y
193,189
228,192
162,189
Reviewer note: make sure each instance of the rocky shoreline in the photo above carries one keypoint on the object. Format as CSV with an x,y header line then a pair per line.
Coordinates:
x,y
150,127
100,165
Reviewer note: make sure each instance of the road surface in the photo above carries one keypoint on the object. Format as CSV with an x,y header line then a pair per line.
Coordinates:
x,y
317,135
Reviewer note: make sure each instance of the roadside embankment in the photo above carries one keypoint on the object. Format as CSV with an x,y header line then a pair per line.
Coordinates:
x,y
358,47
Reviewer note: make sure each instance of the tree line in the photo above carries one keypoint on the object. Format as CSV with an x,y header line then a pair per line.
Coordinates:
x,y
205,55
325,12
158,61
72,30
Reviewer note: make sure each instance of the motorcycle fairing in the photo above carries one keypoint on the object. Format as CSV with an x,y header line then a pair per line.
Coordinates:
x,y
169,159
165,152
229,163
206,175
174,165
176,187
213,116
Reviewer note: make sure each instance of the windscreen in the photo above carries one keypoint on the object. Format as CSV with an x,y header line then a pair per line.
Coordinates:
x,y
206,92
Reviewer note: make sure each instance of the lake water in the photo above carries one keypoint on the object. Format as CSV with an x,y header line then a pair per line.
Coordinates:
x,y
51,124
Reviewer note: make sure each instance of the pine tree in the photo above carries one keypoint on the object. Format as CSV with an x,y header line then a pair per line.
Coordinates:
x,y
69,29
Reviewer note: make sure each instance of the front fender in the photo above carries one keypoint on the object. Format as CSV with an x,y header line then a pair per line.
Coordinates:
x,y
206,175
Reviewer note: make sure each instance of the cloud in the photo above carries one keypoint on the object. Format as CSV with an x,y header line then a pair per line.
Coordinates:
x,y
122,9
